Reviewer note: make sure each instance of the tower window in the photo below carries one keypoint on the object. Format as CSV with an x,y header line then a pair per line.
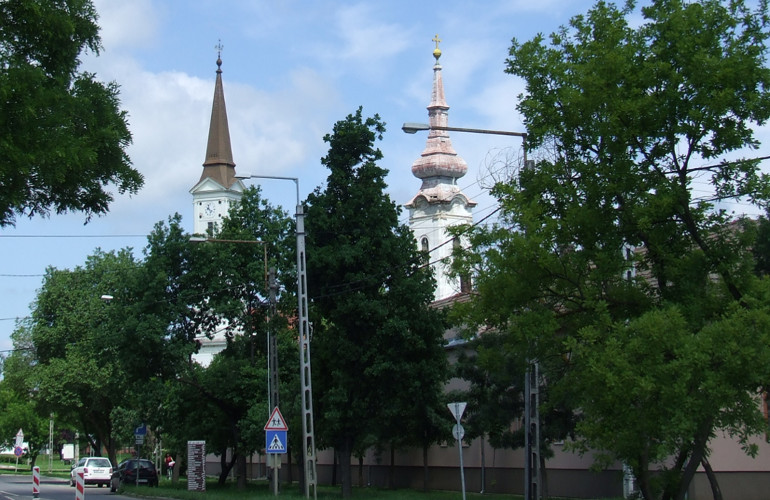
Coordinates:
x,y
424,245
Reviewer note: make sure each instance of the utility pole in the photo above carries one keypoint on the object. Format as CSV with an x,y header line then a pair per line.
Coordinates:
x,y
272,347
532,479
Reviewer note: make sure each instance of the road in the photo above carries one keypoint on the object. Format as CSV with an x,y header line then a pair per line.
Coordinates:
x,y
14,487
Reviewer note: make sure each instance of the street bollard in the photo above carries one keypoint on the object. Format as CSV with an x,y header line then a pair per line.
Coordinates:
x,y
80,487
36,482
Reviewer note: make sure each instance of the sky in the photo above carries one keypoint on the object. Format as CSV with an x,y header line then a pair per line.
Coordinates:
x,y
291,69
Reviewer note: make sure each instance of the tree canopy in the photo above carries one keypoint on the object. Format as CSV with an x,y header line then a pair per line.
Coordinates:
x,y
63,136
605,239
370,292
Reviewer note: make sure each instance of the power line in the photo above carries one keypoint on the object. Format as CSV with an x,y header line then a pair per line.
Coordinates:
x,y
73,235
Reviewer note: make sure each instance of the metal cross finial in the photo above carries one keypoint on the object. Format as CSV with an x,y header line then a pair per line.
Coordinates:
x,y
437,40
219,48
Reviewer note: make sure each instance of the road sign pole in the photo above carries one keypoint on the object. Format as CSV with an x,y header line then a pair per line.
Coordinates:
x,y
462,471
275,444
457,409
275,458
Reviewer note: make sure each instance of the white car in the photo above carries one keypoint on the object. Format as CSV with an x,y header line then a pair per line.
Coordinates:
x,y
96,470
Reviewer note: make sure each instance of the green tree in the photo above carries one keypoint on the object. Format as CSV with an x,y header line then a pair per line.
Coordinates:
x,y
63,137
18,401
79,362
371,293
606,228
221,286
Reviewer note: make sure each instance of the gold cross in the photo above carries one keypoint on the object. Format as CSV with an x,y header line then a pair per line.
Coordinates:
x,y
436,39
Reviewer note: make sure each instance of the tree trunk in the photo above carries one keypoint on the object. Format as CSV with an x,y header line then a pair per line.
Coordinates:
x,y
716,492
484,465
301,471
643,476
425,474
335,462
543,478
178,466
345,452
698,454
241,471
392,468
288,461
361,471
226,466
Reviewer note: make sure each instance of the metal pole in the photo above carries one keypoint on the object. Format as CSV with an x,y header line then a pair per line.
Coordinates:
x,y
308,451
527,436
462,470
304,360
272,359
273,347
50,444
532,475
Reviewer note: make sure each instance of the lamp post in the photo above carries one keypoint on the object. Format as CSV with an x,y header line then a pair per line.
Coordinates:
x,y
413,128
532,474
303,331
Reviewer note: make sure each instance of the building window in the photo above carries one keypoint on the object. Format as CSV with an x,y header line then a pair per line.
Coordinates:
x,y
424,245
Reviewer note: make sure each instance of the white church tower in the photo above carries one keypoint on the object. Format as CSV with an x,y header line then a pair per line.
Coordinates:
x,y
440,203
215,192
217,188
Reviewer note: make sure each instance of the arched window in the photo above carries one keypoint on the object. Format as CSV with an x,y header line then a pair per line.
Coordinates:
x,y
424,245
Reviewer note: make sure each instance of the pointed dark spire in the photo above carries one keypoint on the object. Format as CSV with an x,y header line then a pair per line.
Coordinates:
x,y
219,164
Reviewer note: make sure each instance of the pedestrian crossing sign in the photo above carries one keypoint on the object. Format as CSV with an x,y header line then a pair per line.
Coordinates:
x,y
275,441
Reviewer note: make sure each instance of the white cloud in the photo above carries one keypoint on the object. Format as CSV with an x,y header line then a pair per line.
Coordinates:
x,y
127,24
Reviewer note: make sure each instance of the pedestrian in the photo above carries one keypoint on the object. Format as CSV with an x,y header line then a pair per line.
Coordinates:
x,y
169,465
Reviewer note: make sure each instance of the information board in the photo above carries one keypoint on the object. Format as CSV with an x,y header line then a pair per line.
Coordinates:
x,y
196,465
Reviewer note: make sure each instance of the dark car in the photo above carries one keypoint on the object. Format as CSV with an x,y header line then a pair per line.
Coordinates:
x,y
126,473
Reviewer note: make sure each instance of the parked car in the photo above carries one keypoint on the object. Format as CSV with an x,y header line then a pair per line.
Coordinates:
x,y
96,470
126,473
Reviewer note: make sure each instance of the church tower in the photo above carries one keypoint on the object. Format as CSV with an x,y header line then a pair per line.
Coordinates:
x,y
217,188
440,203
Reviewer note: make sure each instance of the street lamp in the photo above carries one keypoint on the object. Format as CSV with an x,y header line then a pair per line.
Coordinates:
x,y
308,437
532,475
413,128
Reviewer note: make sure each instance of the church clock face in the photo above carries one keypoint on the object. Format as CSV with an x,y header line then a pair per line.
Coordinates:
x,y
209,210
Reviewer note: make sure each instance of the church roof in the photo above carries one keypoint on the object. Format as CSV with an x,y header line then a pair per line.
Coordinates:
x,y
219,165
439,165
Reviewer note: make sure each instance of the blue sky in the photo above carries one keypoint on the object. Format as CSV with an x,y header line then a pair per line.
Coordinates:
x,y
291,69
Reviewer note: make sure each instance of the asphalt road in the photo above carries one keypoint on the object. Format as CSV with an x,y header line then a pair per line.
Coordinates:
x,y
13,487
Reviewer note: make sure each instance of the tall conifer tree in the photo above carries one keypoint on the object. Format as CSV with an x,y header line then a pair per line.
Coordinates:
x,y
377,355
